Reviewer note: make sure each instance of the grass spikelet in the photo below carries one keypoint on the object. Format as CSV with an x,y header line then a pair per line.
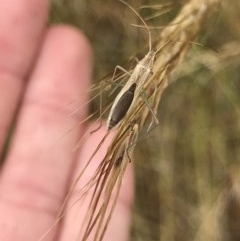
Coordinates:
x,y
180,33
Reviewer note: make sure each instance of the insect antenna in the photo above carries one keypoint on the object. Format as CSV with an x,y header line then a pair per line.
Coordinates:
x,y
144,23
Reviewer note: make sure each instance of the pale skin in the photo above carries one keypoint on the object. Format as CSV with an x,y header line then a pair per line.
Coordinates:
x,y
42,69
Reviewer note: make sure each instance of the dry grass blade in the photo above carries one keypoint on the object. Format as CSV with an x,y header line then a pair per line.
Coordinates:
x,y
161,9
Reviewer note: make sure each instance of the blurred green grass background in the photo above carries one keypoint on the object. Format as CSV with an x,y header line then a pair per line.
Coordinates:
x,y
188,167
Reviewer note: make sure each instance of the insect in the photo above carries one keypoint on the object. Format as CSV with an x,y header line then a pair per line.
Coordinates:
x,y
134,86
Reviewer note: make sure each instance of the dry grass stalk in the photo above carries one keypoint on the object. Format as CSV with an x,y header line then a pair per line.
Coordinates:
x,y
180,33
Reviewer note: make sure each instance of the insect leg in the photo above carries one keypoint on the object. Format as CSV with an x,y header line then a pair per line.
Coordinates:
x,y
120,68
153,112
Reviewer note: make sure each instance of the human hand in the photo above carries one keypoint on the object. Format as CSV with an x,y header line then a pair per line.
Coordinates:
x,y
43,68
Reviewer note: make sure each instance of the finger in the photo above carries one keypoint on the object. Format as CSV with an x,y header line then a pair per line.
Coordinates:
x,y
21,26
120,222
34,182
